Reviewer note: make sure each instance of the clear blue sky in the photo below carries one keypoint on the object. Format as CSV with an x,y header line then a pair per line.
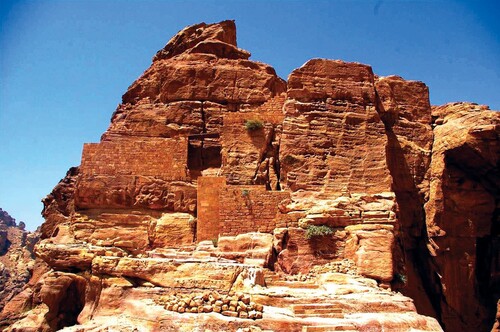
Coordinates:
x,y
65,64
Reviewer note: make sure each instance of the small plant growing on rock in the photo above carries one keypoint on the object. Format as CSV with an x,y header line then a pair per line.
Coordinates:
x,y
245,193
313,231
252,125
215,242
192,223
290,160
401,278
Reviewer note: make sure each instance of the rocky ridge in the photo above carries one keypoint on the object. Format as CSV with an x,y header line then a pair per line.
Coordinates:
x,y
310,201
17,258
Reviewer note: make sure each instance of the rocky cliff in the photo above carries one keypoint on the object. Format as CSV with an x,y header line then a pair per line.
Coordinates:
x,y
17,258
223,198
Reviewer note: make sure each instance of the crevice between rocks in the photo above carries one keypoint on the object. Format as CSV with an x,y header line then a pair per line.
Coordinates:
x,y
412,220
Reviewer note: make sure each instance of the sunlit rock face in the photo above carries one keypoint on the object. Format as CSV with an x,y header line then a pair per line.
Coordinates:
x,y
17,259
223,198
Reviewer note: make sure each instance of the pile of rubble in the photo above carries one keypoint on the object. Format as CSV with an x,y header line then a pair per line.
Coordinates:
x,y
232,305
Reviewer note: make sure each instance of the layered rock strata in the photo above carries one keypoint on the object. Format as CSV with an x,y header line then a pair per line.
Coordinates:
x,y
309,201
17,258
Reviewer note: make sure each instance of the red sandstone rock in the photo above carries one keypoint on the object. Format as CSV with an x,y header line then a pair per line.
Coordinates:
x,y
16,257
172,230
332,133
371,247
405,109
250,248
180,197
461,212
59,204
190,37
206,77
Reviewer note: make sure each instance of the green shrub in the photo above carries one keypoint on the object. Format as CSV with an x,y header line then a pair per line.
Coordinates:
x,y
313,230
401,278
245,192
290,160
215,242
252,125
192,223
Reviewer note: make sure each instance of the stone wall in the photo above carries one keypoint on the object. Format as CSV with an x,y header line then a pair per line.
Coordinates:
x,y
165,158
209,189
249,209
232,210
273,109
148,173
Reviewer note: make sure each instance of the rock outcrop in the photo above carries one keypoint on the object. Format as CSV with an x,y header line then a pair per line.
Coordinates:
x,y
223,198
17,258
462,214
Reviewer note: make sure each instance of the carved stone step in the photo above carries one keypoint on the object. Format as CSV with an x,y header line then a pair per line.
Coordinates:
x,y
322,315
318,311
328,328
291,284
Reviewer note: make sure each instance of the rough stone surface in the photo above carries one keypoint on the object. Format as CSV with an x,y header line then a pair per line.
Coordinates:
x,y
223,198
462,213
251,248
17,259
60,203
17,265
332,133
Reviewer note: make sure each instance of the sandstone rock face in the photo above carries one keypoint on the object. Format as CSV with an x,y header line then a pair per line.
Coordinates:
x,y
405,110
332,133
188,40
462,213
224,198
59,204
6,219
250,248
17,259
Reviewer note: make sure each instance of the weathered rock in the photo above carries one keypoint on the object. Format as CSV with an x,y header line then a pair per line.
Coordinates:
x,y
181,118
250,146
371,247
462,212
16,257
59,204
190,38
135,231
172,230
214,173
203,63
168,273
249,248
206,77
332,133
372,216
73,256
6,219
301,254
405,109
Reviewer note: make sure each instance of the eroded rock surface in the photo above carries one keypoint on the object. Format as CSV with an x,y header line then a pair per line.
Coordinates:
x,y
223,198
17,259
462,213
